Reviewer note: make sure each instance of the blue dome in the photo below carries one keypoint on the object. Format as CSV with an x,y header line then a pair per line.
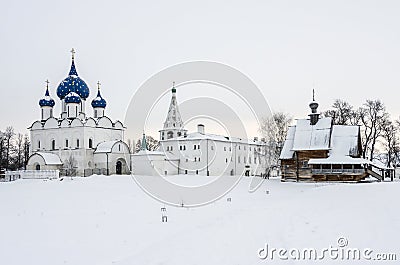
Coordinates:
x,y
99,101
47,101
72,97
73,83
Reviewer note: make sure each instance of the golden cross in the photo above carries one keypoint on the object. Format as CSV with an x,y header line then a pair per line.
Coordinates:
x,y
98,85
73,53
47,83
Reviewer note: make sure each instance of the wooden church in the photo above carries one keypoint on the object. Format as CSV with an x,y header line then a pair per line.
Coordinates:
x,y
317,150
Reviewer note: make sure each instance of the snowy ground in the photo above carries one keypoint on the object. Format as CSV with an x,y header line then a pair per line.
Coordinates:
x,y
109,220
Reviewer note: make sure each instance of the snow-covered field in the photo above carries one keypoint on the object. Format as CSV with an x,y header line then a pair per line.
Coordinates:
x,y
109,220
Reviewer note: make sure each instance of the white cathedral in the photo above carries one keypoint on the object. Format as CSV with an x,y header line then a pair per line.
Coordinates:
x,y
74,140
95,145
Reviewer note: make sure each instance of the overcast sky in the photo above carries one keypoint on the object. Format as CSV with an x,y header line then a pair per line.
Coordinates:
x,y
344,49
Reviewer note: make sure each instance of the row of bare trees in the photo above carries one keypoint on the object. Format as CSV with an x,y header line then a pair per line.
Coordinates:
x,y
14,149
380,133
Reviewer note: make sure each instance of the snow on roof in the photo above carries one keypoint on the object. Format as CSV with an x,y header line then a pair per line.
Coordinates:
x,y
380,164
344,140
105,147
148,153
344,144
287,152
312,137
50,158
214,137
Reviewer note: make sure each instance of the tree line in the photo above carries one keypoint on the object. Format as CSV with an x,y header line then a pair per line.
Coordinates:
x,y
14,150
379,131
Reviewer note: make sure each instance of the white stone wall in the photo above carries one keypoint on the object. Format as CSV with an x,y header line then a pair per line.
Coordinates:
x,y
153,165
216,157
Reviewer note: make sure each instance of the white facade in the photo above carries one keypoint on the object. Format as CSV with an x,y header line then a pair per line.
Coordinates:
x,y
76,137
198,153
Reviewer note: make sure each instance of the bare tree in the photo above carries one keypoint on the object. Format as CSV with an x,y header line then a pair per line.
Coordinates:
x,y
391,144
151,143
129,142
2,150
70,166
342,113
19,151
274,129
8,135
26,149
372,116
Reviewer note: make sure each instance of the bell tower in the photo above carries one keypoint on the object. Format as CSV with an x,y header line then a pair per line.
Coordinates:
x,y
173,125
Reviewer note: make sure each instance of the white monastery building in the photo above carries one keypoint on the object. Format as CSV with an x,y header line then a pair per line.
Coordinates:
x,y
75,140
198,153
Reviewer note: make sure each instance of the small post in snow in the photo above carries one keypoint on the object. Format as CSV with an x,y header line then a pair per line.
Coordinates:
x,y
164,217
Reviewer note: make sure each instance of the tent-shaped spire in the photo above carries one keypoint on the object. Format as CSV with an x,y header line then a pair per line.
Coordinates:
x,y
143,147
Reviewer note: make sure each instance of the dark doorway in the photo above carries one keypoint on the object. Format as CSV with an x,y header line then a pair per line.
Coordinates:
x,y
37,167
118,168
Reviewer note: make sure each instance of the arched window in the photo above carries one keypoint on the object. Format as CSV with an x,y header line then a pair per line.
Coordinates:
x,y
170,135
53,144
66,142
77,143
90,143
38,144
